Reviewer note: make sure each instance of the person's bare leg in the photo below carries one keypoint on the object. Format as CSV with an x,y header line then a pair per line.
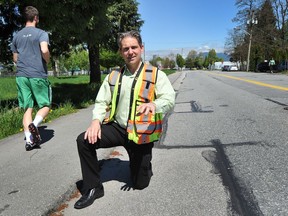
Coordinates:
x,y
27,118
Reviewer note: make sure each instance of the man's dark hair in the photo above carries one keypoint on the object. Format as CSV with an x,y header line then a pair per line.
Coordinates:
x,y
30,12
133,34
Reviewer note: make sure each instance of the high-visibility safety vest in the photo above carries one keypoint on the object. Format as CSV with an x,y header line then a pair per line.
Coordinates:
x,y
141,128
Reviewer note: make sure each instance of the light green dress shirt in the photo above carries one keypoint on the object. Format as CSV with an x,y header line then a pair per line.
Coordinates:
x,y
165,97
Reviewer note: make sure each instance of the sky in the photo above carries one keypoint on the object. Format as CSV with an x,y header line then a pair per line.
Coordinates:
x,y
178,26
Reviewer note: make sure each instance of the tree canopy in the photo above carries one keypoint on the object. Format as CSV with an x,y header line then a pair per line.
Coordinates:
x,y
265,23
72,22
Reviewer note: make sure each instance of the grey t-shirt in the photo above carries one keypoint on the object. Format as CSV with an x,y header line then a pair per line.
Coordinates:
x,y
30,62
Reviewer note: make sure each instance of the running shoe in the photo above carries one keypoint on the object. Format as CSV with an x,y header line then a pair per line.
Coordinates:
x,y
29,146
35,133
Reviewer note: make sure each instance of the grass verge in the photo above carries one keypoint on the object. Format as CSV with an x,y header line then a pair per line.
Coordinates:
x,y
68,95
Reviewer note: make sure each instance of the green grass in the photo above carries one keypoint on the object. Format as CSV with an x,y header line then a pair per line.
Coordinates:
x,y
8,88
169,71
11,119
75,89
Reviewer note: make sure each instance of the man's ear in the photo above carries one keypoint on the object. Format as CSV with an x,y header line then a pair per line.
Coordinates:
x,y
36,19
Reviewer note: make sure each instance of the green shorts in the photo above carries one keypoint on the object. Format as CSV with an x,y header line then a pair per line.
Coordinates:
x,y
32,90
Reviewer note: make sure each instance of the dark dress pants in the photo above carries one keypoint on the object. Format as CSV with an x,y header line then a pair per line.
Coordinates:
x,y
113,135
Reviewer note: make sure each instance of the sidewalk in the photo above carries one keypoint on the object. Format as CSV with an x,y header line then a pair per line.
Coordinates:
x,y
33,183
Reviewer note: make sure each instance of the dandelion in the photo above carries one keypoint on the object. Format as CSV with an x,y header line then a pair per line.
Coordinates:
x,y
21,129
51,111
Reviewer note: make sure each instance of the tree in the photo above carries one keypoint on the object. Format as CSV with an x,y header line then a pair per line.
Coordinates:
x,y
189,63
180,61
123,17
190,59
109,59
78,59
281,14
10,21
239,37
212,57
156,61
172,64
199,61
266,31
80,21
166,63
269,35
206,62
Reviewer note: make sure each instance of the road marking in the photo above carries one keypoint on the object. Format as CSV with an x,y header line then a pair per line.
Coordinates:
x,y
255,82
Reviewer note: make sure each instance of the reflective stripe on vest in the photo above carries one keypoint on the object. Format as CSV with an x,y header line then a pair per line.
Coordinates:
x,y
114,80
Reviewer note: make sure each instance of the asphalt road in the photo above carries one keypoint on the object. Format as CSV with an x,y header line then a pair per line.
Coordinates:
x,y
245,120
224,152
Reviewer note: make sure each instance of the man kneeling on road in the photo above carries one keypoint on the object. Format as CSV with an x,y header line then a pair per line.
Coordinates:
x,y
136,98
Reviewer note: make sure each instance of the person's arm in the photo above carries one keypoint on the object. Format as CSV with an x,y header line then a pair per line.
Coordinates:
x,y
102,101
45,51
165,94
15,57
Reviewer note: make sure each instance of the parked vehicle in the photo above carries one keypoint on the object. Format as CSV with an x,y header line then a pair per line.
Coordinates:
x,y
282,66
264,67
233,68
225,68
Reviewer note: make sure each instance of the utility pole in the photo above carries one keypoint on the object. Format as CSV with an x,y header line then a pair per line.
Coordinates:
x,y
252,20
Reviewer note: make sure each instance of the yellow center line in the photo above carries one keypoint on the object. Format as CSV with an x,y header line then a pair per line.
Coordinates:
x,y
254,82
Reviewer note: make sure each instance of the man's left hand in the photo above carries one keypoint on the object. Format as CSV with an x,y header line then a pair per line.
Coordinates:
x,y
146,108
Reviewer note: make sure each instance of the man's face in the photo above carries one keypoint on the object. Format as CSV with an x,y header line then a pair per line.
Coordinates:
x,y
131,51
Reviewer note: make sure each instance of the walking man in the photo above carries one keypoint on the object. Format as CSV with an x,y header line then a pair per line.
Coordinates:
x,y
136,97
271,64
31,55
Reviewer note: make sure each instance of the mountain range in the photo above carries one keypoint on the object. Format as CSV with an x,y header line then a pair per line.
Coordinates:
x,y
148,55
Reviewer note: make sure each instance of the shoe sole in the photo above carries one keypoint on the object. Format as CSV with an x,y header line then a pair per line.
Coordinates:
x,y
35,133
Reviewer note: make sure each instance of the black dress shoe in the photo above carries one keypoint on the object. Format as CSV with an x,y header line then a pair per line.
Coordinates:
x,y
88,198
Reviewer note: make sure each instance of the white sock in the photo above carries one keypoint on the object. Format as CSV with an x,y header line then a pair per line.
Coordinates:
x,y
28,135
38,119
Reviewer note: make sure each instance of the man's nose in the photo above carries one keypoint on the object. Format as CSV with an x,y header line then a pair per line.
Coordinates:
x,y
130,50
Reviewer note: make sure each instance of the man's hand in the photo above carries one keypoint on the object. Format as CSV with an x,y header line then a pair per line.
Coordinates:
x,y
146,108
93,133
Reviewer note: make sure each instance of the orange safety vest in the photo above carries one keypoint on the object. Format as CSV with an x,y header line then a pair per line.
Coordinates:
x,y
141,128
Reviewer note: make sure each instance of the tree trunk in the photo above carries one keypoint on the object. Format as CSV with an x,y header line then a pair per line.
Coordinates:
x,y
94,60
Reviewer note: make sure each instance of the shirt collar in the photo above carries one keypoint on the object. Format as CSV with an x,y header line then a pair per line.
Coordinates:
x,y
127,71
